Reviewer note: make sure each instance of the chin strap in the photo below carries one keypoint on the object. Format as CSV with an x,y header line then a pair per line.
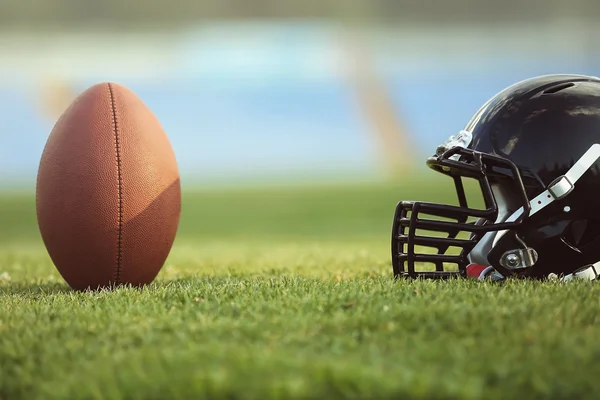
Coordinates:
x,y
482,273
559,188
588,273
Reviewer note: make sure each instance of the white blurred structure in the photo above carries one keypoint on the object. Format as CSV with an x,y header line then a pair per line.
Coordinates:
x,y
282,99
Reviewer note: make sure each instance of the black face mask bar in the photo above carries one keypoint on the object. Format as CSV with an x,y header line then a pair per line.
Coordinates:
x,y
409,216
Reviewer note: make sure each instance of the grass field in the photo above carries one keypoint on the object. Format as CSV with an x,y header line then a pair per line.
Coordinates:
x,y
287,293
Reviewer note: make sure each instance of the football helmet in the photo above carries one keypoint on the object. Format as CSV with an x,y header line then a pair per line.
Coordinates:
x,y
534,149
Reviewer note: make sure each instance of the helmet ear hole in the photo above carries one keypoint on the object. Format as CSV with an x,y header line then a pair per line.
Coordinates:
x,y
581,234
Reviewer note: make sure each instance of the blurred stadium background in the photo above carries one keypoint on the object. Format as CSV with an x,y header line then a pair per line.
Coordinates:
x,y
266,90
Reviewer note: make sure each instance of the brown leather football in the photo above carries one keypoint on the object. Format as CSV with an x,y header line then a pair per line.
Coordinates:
x,y
108,196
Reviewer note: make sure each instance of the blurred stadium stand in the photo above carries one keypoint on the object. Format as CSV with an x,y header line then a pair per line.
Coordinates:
x,y
264,89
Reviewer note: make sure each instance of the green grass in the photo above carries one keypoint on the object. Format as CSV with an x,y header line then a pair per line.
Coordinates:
x,y
287,293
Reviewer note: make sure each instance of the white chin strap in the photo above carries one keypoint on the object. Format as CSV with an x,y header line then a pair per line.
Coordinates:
x,y
557,190
587,274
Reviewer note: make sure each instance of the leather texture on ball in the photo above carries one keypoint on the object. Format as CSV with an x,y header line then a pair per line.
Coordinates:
x,y
108,195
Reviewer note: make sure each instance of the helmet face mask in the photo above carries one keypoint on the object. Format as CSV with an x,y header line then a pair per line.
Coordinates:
x,y
411,217
537,180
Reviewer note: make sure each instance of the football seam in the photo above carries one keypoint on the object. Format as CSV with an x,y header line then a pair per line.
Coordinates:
x,y
115,122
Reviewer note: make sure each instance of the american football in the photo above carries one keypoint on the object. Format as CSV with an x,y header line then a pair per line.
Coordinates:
x,y
108,195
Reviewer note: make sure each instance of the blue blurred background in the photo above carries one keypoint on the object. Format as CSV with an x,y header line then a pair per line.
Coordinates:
x,y
261,91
